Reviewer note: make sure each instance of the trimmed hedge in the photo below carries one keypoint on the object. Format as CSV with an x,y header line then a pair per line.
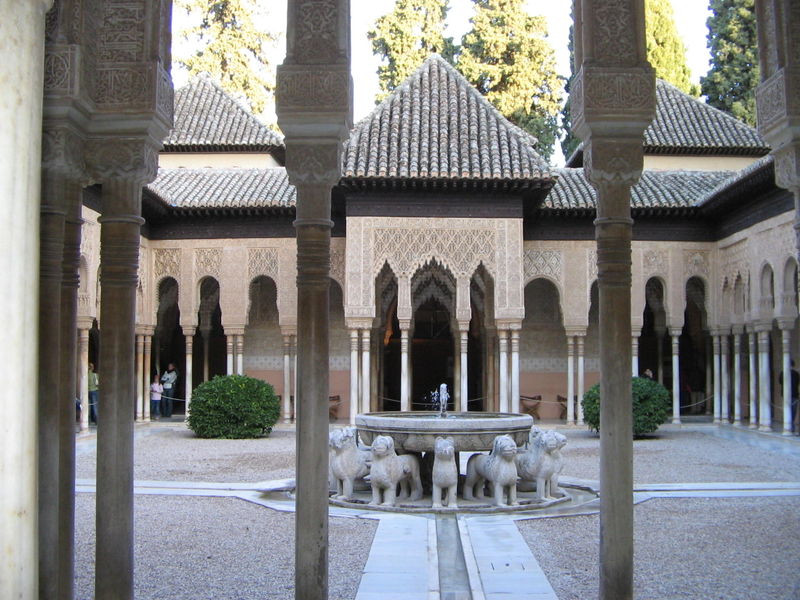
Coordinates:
x,y
651,404
233,407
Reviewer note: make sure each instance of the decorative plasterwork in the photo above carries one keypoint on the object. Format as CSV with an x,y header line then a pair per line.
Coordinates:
x,y
696,263
591,262
655,262
262,261
207,262
543,263
167,263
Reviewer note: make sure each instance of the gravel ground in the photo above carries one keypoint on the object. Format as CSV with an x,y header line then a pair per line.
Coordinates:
x,y
684,548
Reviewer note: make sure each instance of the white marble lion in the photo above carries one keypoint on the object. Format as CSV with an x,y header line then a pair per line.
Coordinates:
x,y
542,462
348,461
445,473
499,468
389,470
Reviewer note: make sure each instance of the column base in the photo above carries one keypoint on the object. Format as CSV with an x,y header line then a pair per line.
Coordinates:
x,y
676,421
787,432
753,425
765,428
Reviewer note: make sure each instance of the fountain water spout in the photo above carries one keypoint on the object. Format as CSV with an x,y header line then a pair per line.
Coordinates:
x,y
444,398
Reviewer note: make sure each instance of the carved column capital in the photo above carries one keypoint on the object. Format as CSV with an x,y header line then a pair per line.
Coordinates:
x,y
132,159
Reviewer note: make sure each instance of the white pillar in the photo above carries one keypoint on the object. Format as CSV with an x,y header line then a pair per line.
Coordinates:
x,y
764,381
737,377
515,370
581,372
786,345
353,375
287,379
503,338
140,397
635,356
365,371
240,354
83,374
725,392
676,376
148,344
752,378
405,387
22,44
717,398
464,396
570,380
229,351
189,333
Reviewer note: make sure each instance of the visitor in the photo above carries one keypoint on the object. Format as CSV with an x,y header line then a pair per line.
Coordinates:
x,y
648,374
94,384
156,389
169,379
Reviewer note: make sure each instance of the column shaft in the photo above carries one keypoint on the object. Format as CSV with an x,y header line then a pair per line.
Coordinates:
x,y
240,354
515,370
287,379
786,346
570,379
83,376
717,376
455,389
189,333
725,393
229,346
365,371
752,380
464,373
581,372
737,378
353,375
503,337
405,383
676,378
635,356
140,396
764,380
119,256
148,347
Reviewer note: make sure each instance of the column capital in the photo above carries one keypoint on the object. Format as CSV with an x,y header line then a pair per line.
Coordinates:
x,y
233,330
575,330
359,323
189,331
762,326
785,323
675,331
737,329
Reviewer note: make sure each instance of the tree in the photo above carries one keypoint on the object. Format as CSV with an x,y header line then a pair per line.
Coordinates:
x,y
228,44
507,57
665,50
734,74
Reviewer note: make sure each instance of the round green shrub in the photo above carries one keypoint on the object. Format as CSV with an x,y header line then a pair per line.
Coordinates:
x,y
650,406
233,407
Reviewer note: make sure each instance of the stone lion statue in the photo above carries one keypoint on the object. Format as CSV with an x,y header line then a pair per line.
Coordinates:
x,y
542,462
348,462
389,470
445,473
499,468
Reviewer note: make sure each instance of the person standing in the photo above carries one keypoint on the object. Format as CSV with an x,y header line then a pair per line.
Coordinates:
x,y
156,389
94,384
169,379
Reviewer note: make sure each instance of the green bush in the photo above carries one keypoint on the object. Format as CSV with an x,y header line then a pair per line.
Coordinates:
x,y
651,405
233,407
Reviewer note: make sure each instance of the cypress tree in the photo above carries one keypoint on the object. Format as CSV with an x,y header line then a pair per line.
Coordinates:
x,y
665,50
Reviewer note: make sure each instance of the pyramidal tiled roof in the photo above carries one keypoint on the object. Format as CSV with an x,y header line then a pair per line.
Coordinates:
x,y
207,116
686,123
435,125
655,189
223,188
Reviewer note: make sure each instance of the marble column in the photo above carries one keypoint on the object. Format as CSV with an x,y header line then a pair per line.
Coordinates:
x,y
737,375
189,332
205,332
717,379
22,43
581,372
765,382
675,335
570,379
240,354
140,395
83,374
660,355
366,365
119,257
725,393
229,347
148,363
405,381
287,379
455,389
503,368
786,348
752,380
354,374
635,356
515,370
464,369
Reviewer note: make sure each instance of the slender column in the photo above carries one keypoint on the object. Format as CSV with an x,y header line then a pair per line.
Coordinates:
x,y
455,391
676,376
464,373
503,338
515,370
188,332
83,374
710,398
294,377
119,257
229,346
148,357
635,355
786,347
764,380
287,379
660,355
581,372
354,375
365,370
737,377
22,44
206,333
570,379
753,377
405,383
725,379
717,377
240,354
140,397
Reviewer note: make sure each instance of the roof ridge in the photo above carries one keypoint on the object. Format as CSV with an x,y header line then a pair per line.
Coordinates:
x,y
706,105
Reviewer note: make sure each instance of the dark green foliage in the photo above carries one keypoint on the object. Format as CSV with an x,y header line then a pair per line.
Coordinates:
x,y
233,407
650,406
734,74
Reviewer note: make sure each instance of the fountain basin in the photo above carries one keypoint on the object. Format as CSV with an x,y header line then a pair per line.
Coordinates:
x,y
416,431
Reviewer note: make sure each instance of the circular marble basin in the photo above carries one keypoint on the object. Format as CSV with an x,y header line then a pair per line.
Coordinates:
x,y
417,431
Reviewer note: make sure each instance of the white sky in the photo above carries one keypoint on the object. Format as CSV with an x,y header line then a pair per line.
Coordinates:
x,y
690,18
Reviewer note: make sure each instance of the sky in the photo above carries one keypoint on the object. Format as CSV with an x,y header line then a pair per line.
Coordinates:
x,y
690,18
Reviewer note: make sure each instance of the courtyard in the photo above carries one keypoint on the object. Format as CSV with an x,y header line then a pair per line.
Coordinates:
x,y
716,516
